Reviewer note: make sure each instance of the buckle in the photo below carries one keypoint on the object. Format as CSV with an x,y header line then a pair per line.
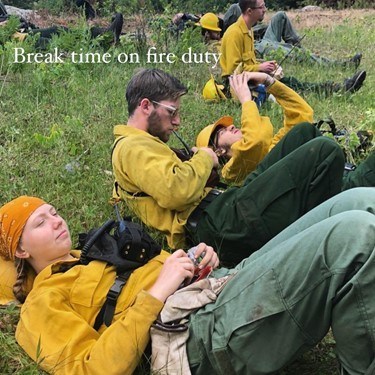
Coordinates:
x,y
115,290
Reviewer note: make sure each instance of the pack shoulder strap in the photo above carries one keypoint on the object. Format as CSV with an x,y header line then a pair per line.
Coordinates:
x,y
107,311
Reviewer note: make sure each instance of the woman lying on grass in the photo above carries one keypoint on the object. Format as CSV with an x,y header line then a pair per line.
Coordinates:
x,y
243,150
315,275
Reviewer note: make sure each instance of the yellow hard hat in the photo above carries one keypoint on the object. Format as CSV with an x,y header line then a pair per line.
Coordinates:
x,y
213,91
209,21
203,138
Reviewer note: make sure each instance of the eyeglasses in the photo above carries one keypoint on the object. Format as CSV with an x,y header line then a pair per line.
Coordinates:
x,y
173,112
263,6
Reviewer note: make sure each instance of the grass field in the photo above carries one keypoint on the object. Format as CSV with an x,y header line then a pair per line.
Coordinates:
x,y
56,125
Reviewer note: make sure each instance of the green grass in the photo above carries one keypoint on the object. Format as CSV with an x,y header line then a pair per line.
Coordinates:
x,y
52,115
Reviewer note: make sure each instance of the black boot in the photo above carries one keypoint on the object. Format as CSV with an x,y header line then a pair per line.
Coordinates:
x,y
116,26
355,60
89,10
354,83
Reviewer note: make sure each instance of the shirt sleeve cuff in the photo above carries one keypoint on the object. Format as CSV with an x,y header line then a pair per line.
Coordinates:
x,y
149,303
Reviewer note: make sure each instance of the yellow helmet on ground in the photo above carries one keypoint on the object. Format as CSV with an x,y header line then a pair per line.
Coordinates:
x,y
209,21
203,138
213,91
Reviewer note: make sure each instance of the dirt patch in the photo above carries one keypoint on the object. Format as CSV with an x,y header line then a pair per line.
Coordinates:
x,y
326,18
301,19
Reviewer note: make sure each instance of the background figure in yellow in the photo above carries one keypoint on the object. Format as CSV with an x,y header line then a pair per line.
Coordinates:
x,y
281,35
211,31
238,47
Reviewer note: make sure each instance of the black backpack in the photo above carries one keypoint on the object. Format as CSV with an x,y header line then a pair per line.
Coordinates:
x,y
123,244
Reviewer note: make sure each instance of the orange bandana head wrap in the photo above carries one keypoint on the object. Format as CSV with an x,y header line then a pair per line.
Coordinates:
x,y
13,217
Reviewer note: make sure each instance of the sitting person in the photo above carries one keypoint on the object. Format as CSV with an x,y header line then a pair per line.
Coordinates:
x,y
281,35
176,197
238,54
271,308
211,30
241,150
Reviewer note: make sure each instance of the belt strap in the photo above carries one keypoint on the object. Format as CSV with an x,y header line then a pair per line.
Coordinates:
x,y
107,311
194,217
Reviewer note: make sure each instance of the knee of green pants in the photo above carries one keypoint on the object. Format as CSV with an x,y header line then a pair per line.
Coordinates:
x,y
363,175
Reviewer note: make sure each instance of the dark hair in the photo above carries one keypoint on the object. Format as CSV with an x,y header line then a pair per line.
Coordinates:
x,y
213,138
246,4
153,84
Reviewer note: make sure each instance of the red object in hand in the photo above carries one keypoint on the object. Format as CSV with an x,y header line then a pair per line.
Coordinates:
x,y
202,274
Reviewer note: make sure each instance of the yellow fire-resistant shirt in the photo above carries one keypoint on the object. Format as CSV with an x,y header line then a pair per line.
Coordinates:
x,y
161,189
57,319
238,47
258,133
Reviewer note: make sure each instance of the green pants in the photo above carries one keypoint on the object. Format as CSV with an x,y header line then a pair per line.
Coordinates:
x,y
281,35
321,88
289,182
317,274
363,175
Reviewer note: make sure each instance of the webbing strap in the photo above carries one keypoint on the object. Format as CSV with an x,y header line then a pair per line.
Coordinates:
x,y
107,311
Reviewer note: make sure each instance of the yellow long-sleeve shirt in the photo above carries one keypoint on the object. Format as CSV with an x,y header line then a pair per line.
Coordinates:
x,y
258,133
58,316
237,47
171,189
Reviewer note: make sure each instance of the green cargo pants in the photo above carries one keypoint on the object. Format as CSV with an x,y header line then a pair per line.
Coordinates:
x,y
363,175
286,185
317,274
281,35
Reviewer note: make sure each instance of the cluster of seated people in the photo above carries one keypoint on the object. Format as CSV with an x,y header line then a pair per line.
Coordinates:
x,y
259,268
243,41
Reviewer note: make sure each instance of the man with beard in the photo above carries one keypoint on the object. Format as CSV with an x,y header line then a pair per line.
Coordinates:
x,y
238,50
174,196
280,35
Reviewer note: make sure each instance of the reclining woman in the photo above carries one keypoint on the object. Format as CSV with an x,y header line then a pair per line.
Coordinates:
x,y
259,322
243,150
